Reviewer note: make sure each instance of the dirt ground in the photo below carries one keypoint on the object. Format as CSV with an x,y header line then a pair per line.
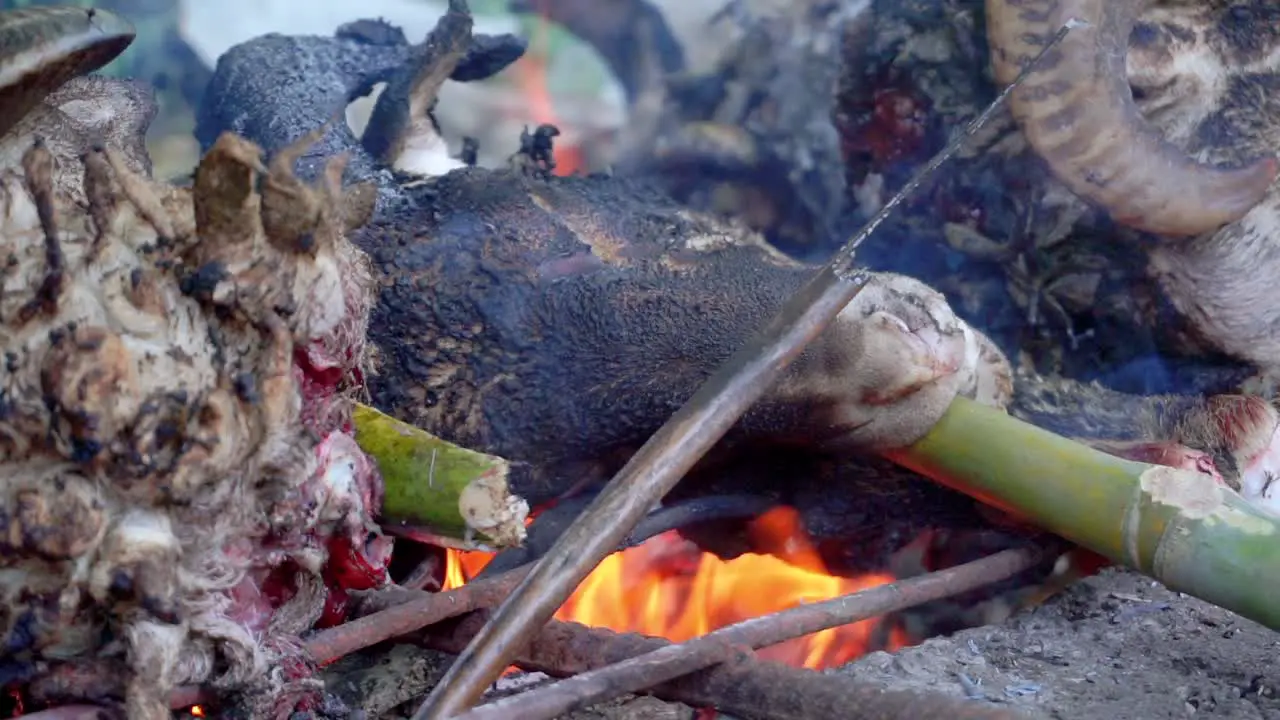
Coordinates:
x,y
1116,646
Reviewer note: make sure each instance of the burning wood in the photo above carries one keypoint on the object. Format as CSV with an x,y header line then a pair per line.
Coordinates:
x,y
551,325
668,587
715,648
740,686
406,611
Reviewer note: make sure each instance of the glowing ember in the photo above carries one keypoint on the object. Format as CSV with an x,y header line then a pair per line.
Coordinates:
x,y
669,588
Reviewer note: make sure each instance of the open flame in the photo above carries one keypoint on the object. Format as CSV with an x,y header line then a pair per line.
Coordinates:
x,y
669,588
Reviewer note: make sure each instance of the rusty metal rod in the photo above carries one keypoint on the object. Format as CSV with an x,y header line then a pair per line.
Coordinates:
x,y
399,612
671,452
741,684
672,661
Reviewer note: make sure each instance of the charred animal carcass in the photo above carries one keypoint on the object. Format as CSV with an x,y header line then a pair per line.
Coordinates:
x,y
559,321
255,92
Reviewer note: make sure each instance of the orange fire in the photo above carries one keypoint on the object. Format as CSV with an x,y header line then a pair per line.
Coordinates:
x,y
669,588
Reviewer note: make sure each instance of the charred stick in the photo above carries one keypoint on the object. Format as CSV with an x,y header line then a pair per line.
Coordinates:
x,y
698,510
423,574
671,452
400,612
740,685
672,661
385,615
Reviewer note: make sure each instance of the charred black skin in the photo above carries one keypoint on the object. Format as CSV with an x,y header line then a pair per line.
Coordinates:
x,y
496,325
493,325
274,89
499,328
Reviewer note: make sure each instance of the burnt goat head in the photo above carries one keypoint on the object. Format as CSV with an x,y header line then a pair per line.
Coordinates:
x,y
558,322
1165,117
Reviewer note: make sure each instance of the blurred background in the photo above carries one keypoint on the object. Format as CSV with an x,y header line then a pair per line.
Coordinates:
x,y
560,80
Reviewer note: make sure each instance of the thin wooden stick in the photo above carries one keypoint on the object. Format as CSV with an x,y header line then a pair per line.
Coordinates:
x,y
672,661
742,685
672,451
387,615
413,610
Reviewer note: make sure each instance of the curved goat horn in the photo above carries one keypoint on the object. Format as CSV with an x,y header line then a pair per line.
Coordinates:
x,y
1078,113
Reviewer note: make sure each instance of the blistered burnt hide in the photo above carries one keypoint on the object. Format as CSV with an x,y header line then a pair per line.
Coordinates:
x,y
559,322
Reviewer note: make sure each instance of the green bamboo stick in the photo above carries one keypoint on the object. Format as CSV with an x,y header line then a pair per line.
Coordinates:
x,y
433,487
1177,526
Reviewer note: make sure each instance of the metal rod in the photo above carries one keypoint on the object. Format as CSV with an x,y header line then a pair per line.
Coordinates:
x,y
673,661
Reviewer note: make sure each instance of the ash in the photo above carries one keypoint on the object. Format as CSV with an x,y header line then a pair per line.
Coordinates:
x,y
1118,645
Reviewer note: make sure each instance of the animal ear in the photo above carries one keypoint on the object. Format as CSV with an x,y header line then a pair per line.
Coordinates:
x,y
358,204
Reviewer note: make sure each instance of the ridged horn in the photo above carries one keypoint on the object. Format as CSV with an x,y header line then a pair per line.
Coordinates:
x,y
1077,111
